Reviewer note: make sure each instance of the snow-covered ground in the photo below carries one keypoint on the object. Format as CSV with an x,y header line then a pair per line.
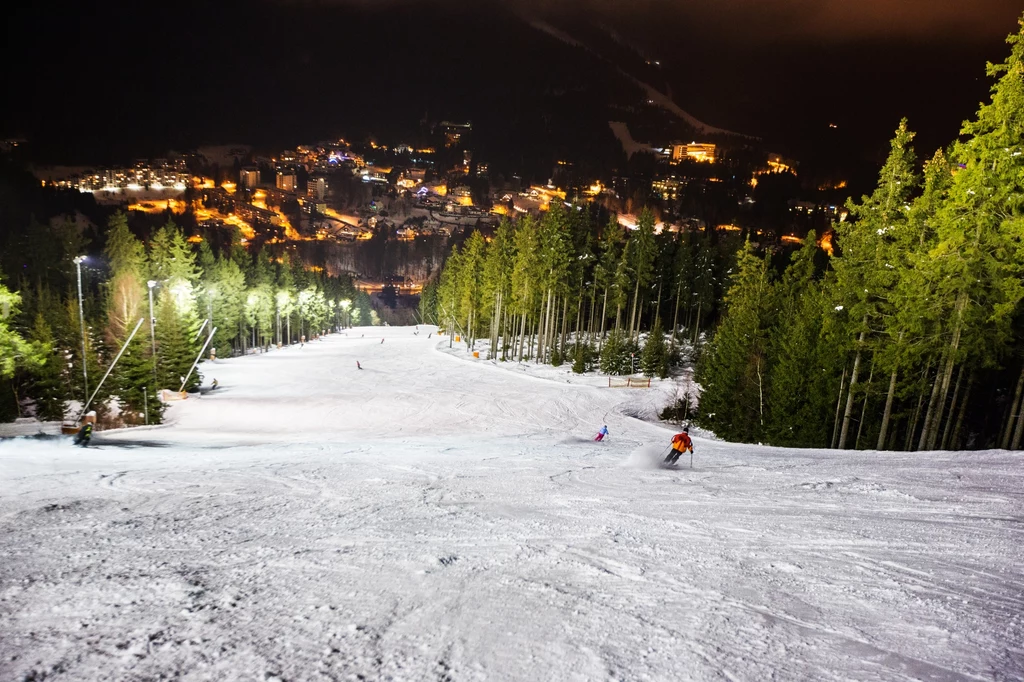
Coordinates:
x,y
438,517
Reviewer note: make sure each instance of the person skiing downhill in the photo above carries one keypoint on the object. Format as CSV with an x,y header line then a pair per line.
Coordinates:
x,y
358,366
84,434
680,443
602,433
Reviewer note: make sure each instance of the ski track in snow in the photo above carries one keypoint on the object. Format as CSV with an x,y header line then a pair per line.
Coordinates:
x,y
436,517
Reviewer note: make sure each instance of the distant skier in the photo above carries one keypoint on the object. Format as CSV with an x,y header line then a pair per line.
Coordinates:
x,y
680,443
214,385
382,340
358,366
84,434
602,433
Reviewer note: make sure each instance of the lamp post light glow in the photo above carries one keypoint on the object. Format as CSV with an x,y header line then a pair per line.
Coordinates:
x,y
345,305
81,323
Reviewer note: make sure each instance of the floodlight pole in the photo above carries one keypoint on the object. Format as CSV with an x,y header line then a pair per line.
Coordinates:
x,y
152,325
81,323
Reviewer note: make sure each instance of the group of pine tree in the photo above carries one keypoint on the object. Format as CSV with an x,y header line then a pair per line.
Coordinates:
x,y
909,337
248,300
546,289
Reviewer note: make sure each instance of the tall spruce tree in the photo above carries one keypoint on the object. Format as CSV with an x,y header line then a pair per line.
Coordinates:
x,y
50,378
225,289
15,351
866,271
126,304
801,392
126,288
733,369
497,284
606,268
134,387
976,266
654,358
175,351
643,255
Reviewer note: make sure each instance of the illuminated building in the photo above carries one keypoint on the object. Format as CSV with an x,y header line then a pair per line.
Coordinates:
x,y
376,174
248,178
694,151
666,188
255,215
411,177
316,188
461,196
286,180
482,170
158,175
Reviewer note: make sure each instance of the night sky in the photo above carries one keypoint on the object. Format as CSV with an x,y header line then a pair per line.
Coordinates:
x,y
133,79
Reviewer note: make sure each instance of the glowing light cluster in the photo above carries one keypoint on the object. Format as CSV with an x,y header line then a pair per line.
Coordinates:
x,y
825,243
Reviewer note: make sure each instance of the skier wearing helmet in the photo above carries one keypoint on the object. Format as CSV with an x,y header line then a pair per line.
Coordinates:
x,y
680,443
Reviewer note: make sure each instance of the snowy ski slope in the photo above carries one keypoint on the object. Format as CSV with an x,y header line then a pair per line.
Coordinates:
x,y
436,517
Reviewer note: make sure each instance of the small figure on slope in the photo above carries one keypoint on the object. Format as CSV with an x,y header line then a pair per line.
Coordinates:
x,y
680,443
84,434
214,385
358,366
382,340
602,433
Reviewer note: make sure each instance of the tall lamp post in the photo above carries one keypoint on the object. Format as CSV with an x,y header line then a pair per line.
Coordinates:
x,y
81,323
152,324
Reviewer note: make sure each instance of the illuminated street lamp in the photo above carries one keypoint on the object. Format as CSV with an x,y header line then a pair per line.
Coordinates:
x,y
345,305
152,324
81,322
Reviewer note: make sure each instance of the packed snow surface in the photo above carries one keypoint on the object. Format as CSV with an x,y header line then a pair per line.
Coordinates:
x,y
438,517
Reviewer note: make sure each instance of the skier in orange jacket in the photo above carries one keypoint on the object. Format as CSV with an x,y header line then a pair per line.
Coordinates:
x,y
680,443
